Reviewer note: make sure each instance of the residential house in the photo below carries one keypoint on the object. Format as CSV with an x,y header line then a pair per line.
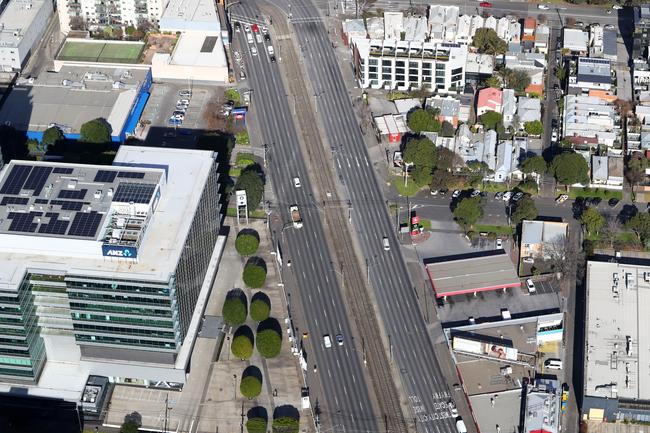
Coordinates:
x,y
590,121
479,67
416,29
479,147
477,23
534,64
575,41
447,106
504,163
489,99
405,105
607,170
450,25
503,28
592,74
490,140
490,23
528,36
529,110
514,28
542,35
466,104
540,238
463,35
391,126
509,106
393,25
596,42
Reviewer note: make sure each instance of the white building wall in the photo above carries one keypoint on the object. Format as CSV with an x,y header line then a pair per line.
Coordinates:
x,y
12,55
126,12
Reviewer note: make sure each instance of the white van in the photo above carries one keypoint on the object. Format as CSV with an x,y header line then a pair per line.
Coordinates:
x,y
386,244
460,426
327,341
270,50
553,364
249,38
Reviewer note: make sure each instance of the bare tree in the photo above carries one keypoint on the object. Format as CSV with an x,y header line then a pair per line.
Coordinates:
x,y
564,256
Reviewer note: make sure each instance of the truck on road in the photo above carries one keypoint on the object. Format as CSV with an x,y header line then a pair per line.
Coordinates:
x,y
295,216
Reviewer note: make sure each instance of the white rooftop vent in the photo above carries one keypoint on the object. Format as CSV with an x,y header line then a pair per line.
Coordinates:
x,y
110,192
72,183
505,314
98,194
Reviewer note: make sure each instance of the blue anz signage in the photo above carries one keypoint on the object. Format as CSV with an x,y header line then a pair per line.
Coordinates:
x,y
119,252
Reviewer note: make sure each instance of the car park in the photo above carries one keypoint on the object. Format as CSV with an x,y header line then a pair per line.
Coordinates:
x,y
530,286
455,194
517,196
507,196
339,339
253,51
561,199
327,341
543,7
498,196
296,182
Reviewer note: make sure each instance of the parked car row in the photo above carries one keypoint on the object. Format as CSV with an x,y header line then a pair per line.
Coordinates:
x,y
183,103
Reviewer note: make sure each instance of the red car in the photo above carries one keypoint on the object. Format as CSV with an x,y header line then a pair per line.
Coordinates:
x,y
256,29
485,4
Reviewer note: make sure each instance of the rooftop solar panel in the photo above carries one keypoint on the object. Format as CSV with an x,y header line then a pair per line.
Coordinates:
x,y
17,177
37,178
41,201
105,176
14,200
73,194
131,174
62,170
134,192
23,222
85,224
55,226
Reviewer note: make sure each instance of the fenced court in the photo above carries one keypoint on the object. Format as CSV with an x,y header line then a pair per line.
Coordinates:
x,y
101,51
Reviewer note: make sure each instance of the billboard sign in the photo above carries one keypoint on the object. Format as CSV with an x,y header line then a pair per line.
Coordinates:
x,y
119,252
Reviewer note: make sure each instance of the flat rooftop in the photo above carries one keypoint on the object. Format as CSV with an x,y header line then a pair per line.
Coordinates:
x,y
16,20
497,409
200,49
159,226
469,273
594,70
618,348
88,92
181,15
483,376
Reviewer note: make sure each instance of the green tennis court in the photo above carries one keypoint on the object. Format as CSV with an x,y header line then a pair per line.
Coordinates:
x,y
101,51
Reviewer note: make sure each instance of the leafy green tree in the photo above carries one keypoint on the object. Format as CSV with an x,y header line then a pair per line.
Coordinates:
x,y
491,120
535,164
251,181
493,81
569,168
260,308
285,424
640,225
52,136
560,73
96,131
256,425
247,243
593,220
524,210
34,147
422,153
447,129
250,386
268,343
487,41
233,95
130,426
241,346
420,120
254,275
534,128
130,30
635,170
468,212
234,310
528,186
517,79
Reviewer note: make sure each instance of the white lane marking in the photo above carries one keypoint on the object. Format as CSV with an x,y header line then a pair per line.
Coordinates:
x,y
360,405
338,162
354,379
336,400
318,287
329,373
349,166
312,266
337,363
316,321
304,275
325,313
358,165
345,390
347,353
366,158
327,279
307,241
340,327
309,298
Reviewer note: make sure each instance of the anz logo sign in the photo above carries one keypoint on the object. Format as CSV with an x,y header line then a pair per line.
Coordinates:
x,y
119,252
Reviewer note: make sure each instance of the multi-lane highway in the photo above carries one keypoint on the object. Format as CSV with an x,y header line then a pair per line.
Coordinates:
x,y
345,403
409,345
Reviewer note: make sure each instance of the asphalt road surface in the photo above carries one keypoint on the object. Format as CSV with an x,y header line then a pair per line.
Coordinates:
x,y
409,344
345,403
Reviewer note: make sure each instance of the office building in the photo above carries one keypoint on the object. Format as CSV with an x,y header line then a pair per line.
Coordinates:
x,y
617,368
404,65
95,15
22,24
105,270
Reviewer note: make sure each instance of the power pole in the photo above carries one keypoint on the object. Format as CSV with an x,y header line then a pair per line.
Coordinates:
x,y
166,410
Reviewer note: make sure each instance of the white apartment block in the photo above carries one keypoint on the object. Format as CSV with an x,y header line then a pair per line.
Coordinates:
x,y
109,12
22,25
406,65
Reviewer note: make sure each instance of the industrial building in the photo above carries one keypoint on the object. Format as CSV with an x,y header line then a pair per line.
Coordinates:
x,y
105,270
22,24
117,95
617,368
402,65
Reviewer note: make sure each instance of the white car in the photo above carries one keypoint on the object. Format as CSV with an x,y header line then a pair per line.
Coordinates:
x,y
530,286
327,341
617,7
434,192
554,136
296,182
528,260
264,30
499,244
456,194
258,38
507,196
609,27
517,196
254,51
247,28
543,7
561,199
476,193
339,339
453,410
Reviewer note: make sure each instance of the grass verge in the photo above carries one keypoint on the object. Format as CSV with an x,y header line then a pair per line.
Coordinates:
x,y
406,190
498,230
256,214
604,194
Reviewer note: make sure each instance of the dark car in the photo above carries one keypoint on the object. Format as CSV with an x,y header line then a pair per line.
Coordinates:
x,y
443,191
612,202
595,201
272,59
267,37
